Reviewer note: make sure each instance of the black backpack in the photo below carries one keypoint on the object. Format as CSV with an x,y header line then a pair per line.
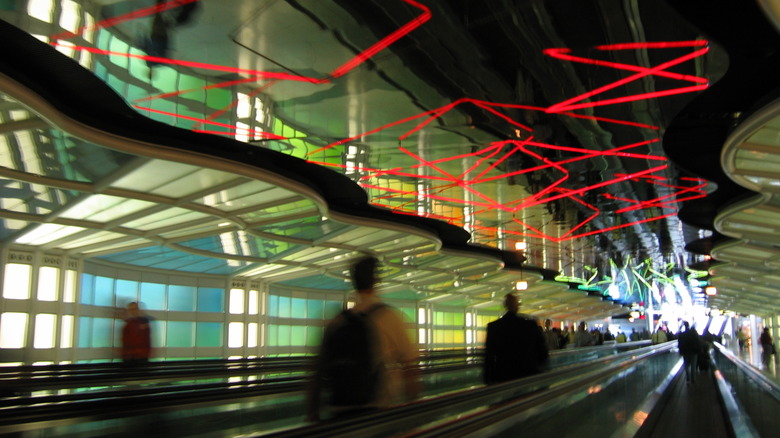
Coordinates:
x,y
350,370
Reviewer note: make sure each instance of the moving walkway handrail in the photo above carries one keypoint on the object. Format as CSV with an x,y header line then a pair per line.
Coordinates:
x,y
771,387
424,412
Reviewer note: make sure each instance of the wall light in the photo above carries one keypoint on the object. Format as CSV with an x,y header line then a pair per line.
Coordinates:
x,y
711,290
520,246
521,285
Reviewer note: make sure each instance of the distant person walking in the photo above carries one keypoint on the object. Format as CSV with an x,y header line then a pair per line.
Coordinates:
x,y
515,346
767,347
136,336
689,344
366,360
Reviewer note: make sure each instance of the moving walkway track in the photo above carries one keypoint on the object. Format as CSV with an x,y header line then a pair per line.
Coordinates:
x,y
270,388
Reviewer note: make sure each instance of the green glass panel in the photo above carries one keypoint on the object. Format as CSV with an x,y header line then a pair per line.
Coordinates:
x,y
119,46
209,334
273,336
298,335
218,98
409,313
438,318
157,328
180,334
460,319
284,335
164,78
332,308
85,332
313,336
315,309
298,308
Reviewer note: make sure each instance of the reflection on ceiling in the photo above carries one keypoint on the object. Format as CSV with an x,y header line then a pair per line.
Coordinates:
x,y
532,122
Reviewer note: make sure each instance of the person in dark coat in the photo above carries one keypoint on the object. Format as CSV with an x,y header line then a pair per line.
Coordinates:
x,y
515,346
690,347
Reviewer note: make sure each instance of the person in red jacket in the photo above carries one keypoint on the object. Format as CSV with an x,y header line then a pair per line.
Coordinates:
x,y
136,336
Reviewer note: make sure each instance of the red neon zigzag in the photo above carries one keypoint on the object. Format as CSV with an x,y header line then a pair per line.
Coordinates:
x,y
642,72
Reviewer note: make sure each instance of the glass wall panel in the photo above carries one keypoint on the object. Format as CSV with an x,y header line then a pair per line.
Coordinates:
x,y
126,292
102,332
209,334
236,301
66,331
180,334
153,296
254,302
13,330
315,309
181,298
16,285
104,291
48,283
211,299
69,288
87,289
298,308
236,334
251,341
45,328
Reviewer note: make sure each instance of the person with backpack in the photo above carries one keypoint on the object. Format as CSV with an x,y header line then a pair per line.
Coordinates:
x,y
366,360
514,347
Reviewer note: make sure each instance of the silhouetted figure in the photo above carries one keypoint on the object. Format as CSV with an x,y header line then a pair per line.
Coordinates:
x,y
767,347
136,336
583,338
552,337
158,43
366,360
689,344
515,346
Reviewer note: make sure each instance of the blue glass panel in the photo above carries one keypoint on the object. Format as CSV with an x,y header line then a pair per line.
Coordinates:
x,y
101,333
181,298
209,334
284,307
180,334
153,296
211,299
104,291
85,332
87,289
126,292
315,309
273,305
298,308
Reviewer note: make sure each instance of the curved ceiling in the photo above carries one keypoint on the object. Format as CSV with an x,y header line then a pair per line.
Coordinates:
x,y
296,134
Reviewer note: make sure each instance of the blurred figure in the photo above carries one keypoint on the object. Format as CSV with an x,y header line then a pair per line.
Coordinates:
x,y
551,337
515,346
136,336
767,347
742,337
659,337
583,338
689,344
621,338
366,360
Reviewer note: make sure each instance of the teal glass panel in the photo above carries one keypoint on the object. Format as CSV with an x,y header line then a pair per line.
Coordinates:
x,y
332,308
87,289
273,305
284,307
158,333
153,296
101,332
180,334
181,298
284,335
85,332
298,335
315,309
116,83
298,308
165,79
313,336
126,292
209,334
211,299
104,291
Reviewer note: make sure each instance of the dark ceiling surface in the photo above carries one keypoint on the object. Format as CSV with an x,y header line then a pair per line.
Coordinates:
x,y
589,130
